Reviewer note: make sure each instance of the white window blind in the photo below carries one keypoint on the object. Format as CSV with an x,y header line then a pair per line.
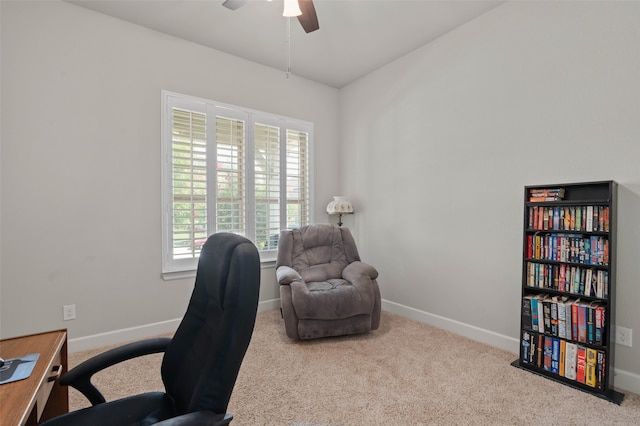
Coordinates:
x,y
230,175
230,169
189,183
267,185
297,178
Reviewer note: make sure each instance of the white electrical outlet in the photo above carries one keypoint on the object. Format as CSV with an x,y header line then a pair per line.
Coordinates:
x,y
68,312
623,336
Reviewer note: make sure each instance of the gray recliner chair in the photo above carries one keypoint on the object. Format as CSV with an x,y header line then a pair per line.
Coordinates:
x,y
325,290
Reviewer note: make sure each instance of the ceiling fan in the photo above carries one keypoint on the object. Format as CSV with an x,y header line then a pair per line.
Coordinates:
x,y
307,16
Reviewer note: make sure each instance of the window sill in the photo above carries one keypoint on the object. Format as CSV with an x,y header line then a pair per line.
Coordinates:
x,y
191,273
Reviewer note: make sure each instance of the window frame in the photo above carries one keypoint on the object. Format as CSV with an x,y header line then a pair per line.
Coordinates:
x,y
182,268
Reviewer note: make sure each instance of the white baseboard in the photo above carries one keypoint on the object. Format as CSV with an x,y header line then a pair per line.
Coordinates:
x,y
626,381
472,332
269,305
623,380
141,332
120,336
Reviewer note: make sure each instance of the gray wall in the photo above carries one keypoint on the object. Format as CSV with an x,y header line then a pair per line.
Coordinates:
x,y
81,219
447,136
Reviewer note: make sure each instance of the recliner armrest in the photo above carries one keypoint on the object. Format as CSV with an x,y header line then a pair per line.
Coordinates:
x,y
79,377
286,275
359,269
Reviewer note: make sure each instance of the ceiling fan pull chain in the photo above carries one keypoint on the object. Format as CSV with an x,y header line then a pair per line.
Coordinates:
x,y
288,47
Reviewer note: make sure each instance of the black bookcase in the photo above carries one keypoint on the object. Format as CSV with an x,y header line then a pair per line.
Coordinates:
x,y
567,321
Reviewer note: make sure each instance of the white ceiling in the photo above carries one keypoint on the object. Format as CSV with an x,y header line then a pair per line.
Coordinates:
x,y
355,36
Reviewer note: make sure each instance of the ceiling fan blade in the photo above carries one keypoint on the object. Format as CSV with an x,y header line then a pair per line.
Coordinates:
x,y
234,4
308,19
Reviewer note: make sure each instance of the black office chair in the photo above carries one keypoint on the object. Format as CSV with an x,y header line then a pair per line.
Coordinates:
x,y
201,361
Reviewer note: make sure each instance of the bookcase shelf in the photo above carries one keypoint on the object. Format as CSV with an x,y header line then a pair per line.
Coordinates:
x,y
567,319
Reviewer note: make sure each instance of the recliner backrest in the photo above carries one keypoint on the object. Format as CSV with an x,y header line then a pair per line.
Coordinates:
x,y
317,252
201,364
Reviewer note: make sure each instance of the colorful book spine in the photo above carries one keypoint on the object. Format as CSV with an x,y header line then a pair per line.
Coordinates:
x,y
582,323
534,314
563,357
548,353
555,355
571,359
601,370
525,349
526,313
581,364
591,367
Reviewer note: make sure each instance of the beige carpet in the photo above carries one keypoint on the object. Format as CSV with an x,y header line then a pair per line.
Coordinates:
x,y
405,373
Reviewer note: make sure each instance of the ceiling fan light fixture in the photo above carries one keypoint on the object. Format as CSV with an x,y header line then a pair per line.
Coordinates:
x,y
291,8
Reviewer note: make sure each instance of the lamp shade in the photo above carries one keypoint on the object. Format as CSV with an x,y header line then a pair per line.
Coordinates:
x,y
339,205
291,8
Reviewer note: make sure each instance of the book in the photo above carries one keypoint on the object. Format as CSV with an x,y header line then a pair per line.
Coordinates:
x,y
582,322
600,372
548,352
593,291
595,258
581,364
581,277
525,352
530,217
546,312
561,306
591,367
540,351
546,194
591,323
600,284
563,357
568,324
571,358
574,319
555,356
599,316
540,298
526,313
553,305
531,274
544,198
534,313
533,350
545,219
572,217
587,280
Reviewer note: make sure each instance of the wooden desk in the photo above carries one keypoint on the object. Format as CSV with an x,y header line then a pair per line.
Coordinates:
x,y
39,397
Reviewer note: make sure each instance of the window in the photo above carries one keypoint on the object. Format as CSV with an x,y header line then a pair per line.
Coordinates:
x,y
229,169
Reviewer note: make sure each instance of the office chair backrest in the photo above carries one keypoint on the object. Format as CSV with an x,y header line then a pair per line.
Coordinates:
x,y
202,361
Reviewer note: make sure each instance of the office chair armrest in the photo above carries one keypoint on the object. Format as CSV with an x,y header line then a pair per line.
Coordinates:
x,y
198,418
79,377
286,275
359,269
